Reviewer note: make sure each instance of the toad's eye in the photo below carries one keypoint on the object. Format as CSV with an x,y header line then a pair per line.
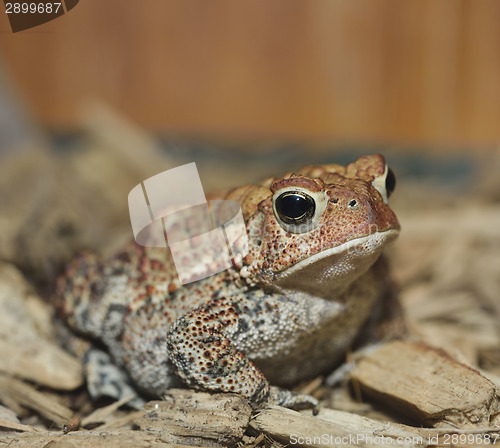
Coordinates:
x,y
385,184
295,207
390,182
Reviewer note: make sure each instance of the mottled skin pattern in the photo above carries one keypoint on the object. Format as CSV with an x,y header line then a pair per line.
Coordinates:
x,y
308,288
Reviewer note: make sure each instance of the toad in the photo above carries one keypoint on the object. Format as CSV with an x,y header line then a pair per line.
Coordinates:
x,y
313,285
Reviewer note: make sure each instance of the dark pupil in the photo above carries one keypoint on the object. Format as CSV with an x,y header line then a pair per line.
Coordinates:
x,y
390,182
294,207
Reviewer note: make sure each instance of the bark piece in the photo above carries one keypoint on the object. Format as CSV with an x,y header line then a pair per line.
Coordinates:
x,y
333,429
197,418
27,396
107,415
12,426
25,351
85,439
428,385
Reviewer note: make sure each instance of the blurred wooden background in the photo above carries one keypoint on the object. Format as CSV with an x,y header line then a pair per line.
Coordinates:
x,y
417,71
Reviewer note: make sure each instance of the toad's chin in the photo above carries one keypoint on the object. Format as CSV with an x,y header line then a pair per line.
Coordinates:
x,y
330,271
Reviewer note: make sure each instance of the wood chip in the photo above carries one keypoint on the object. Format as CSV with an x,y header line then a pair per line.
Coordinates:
x,y
428,385
27,396
197,418
4,424
86,439
25,351
332,429
8,415
102,415
338,429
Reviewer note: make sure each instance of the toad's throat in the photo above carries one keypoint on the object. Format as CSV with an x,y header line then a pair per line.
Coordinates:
x,y
331,271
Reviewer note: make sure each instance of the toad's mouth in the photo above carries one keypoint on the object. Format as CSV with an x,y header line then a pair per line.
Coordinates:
x,y
331,271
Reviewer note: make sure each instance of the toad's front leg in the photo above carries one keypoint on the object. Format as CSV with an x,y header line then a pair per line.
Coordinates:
x,y
207,359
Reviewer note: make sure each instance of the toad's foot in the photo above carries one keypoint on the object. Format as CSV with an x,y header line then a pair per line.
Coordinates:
x,y
106,379
292,400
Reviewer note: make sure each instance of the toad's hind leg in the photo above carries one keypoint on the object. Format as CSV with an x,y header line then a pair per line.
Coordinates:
x,y
143,349
103,378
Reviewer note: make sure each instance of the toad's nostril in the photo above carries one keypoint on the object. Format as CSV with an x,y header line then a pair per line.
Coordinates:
x,y
352,203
